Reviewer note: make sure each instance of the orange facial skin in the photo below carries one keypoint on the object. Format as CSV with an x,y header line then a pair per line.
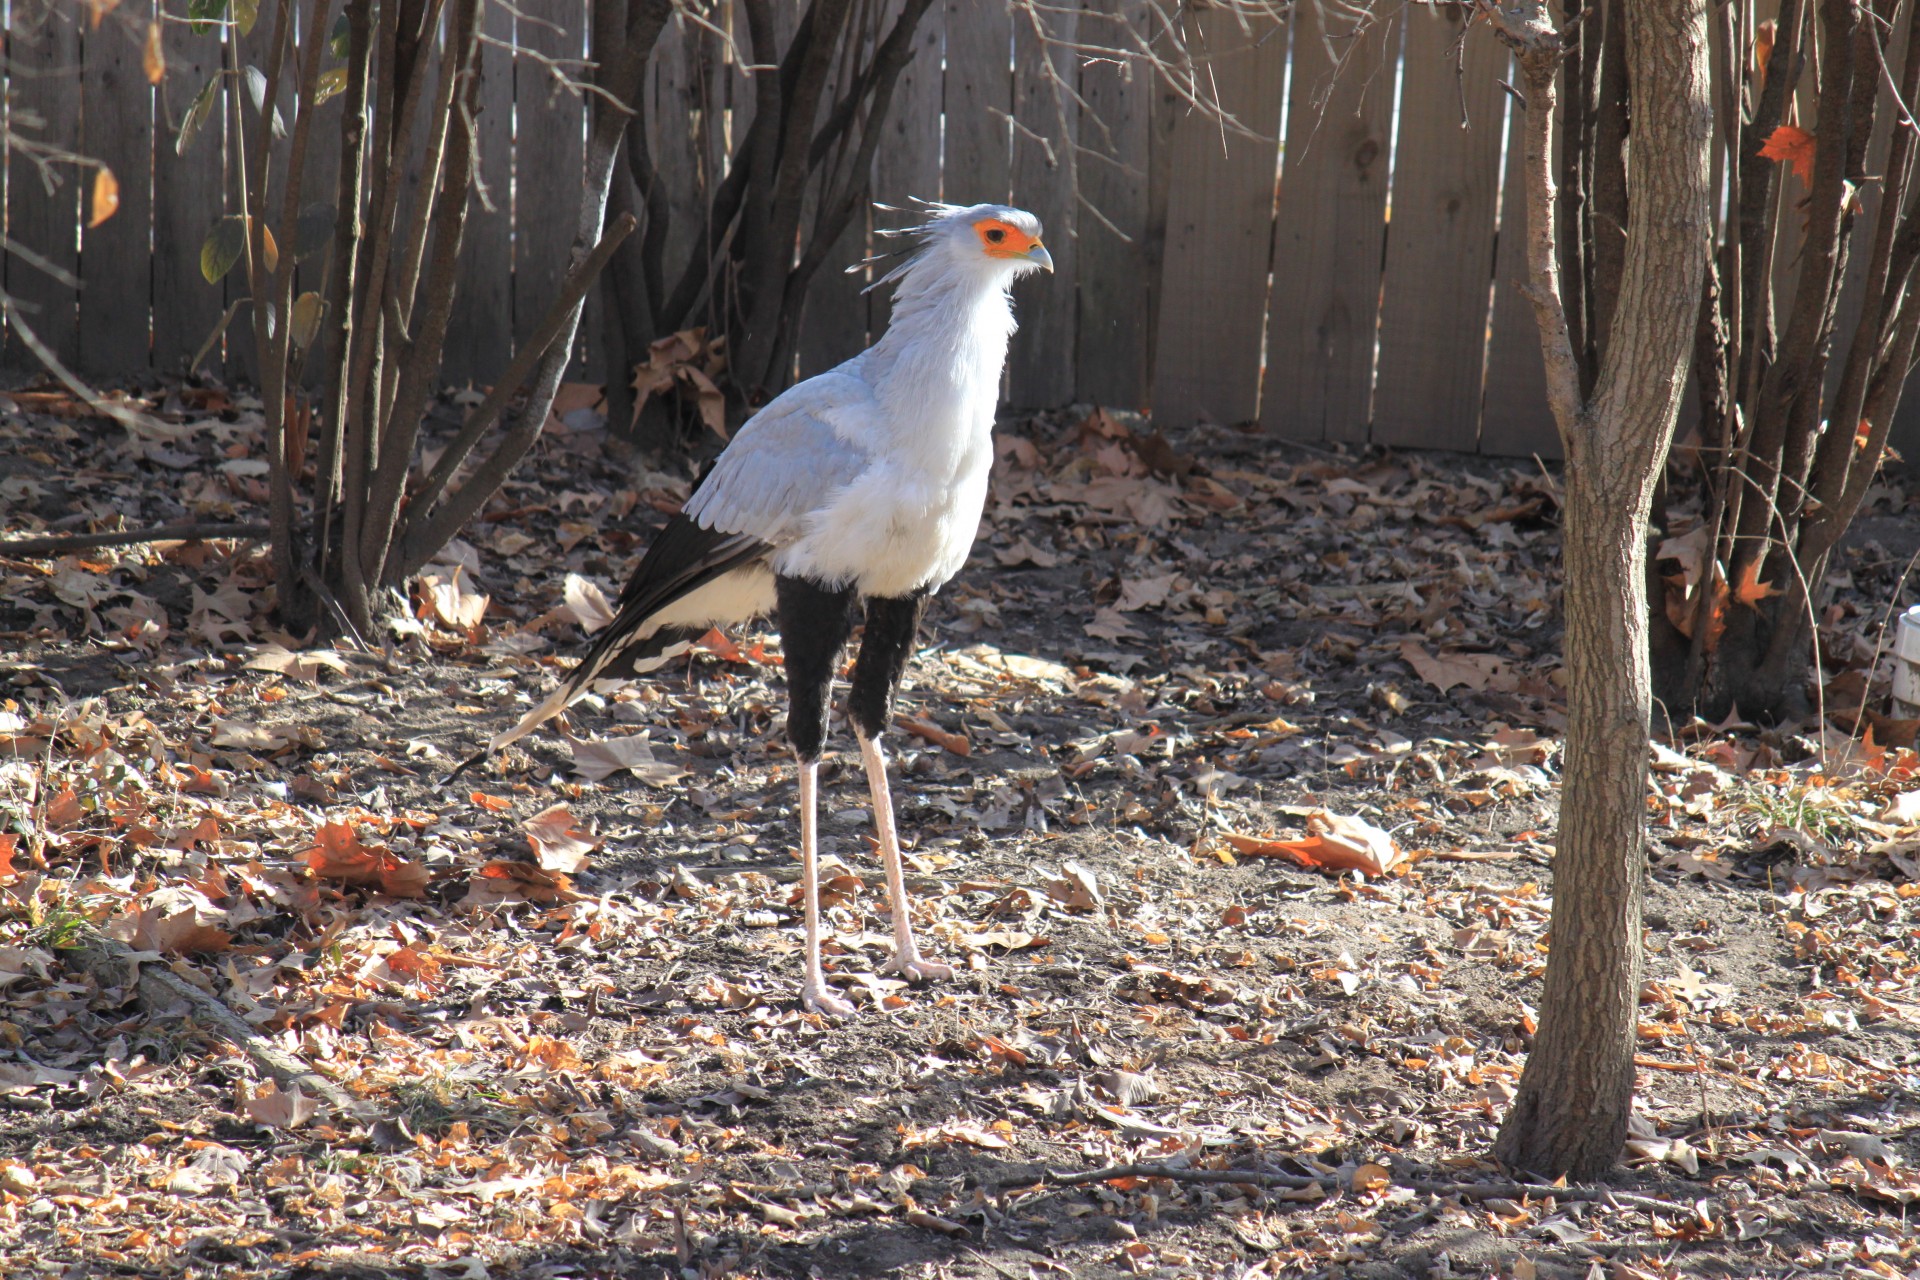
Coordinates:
x,y
1003,239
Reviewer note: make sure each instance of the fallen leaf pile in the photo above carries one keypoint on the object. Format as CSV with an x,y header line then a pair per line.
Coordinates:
x,y
1228,775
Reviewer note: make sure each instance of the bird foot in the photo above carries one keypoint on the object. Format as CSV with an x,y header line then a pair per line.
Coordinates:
x,y
908,964
817,997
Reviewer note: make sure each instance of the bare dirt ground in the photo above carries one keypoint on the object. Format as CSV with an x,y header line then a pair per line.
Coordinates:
x,y
571,1036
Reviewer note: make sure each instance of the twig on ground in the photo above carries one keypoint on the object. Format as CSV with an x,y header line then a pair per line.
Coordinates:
x,y
61,544
159,988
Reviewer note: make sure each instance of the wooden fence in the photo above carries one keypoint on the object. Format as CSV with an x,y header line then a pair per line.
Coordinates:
x,y
1346,276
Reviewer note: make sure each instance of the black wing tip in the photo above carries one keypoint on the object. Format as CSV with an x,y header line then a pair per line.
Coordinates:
x,y
465,765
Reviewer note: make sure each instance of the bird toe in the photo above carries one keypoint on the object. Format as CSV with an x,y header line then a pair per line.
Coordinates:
x,y
914,969
819,998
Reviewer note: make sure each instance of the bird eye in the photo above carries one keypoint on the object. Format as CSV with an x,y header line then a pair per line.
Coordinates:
x,y
995,236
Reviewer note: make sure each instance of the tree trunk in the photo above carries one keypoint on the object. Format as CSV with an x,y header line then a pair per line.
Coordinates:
x,y
1571,1113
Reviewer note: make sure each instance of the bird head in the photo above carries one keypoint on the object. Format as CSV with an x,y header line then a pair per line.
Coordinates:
x,y
995,240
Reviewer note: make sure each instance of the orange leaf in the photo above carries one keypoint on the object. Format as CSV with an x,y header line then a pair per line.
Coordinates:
x,y
106,196
1763,36
506,880
492,804
716,643
153,58
1790,144
1334,842
1749,590
8,845
339,855
929,731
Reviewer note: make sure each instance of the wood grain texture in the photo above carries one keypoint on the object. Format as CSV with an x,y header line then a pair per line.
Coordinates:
x,y
1219,234
187,202
115,258
1115,263
1040,364
43,209
1433,323
834,314
1328,231
977,151
479,335
671,140
979,101
1516,420
549,165
906,163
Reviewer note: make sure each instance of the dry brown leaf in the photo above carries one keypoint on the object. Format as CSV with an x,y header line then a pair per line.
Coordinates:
x,y
304,667
106,197
558,842
1477,671
600,758
587,603
281,1110
453,602
508,880
153,56
928,731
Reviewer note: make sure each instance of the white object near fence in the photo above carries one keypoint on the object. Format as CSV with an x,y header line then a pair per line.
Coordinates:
x,y
1906,666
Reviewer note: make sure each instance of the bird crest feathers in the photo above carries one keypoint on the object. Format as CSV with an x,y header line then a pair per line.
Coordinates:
x,y
932,213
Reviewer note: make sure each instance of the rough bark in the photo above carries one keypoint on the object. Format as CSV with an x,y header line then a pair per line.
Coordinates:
x,y
1571,1113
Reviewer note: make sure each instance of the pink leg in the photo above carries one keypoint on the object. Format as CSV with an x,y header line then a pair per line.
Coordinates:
x,y
906,955
815,994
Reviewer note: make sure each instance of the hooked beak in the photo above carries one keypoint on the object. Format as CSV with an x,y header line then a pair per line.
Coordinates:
x,y
1039,256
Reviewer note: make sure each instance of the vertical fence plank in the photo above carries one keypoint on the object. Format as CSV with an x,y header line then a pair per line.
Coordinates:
x,y
1219,235
187,202
480,333
1040,364
1433,323
44,71
906,163
979,102
115,258
549,158
978,105
1116,258
670,140
1328,230
834,315
1516,420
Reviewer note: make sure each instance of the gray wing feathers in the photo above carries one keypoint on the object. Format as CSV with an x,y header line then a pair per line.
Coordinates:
x,y
784,465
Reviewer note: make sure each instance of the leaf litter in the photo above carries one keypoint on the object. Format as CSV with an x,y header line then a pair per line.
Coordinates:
x,y
1227,773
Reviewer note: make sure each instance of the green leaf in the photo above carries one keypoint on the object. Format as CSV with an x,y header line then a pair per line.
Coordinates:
x,y
313,232
340,43
223,247
204,13
198,114
308,310
246,13
333,83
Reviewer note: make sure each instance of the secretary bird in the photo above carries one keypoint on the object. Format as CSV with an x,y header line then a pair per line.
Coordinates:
x,y
866,484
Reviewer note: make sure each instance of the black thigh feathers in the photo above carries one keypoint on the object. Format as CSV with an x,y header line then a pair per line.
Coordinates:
x,y
892,624
814,624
